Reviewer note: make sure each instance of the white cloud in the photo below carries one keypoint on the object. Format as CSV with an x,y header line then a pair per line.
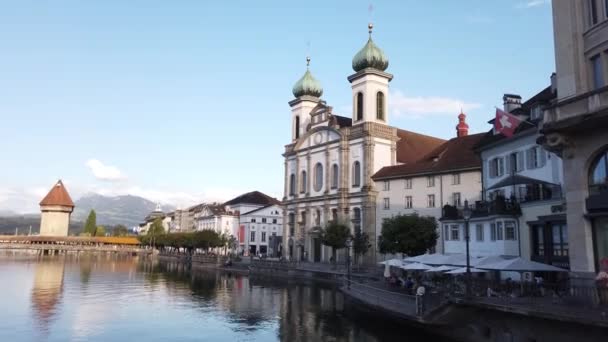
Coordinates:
x,y
402,105
104,172
533,3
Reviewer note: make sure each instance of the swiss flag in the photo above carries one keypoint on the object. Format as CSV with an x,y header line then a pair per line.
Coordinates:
x,y
506,123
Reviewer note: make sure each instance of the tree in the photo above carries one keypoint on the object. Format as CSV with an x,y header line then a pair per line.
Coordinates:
x,y
90,226
120,230
335,236
360,243
408,234
156,228
100,231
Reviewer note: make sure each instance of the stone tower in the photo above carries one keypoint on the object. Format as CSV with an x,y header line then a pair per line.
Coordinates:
x,y
56,208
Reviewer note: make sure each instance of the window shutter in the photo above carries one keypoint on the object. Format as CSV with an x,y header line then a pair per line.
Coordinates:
x,y
520,160
501,166
542,155
528,159
492,172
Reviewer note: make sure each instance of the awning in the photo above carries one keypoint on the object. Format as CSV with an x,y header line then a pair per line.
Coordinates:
x,y
518,180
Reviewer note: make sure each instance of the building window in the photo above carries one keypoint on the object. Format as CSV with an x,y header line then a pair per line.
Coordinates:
x,y
356,173
408,202
303,218
297,128
253,220
263,220
431,201
356,219
598,72
479,232
408,183
592,12
292,184
499,232
560,239
446,232
456,199
318,177
263,236
334,214
456,179
538,240
535,157
387,203
303,182
493,231
274,220
430,181
334,176
454,232
600,230
387,185
359,107
292,220
510,233
380,105
598,174
536,112
318,218
252,238
496,167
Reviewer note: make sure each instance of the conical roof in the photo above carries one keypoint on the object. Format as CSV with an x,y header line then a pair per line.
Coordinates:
x,y
58,195
307,85
370,56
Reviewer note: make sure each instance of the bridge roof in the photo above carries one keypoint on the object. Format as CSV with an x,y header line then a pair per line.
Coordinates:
x,y
58,196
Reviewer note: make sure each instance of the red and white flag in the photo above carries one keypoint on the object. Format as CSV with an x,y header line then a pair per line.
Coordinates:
x,y
506,123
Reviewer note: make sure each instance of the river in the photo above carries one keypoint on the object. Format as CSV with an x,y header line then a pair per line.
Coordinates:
x,y
110,298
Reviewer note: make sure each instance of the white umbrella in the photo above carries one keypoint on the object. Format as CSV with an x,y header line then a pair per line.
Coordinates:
x,y
429,259
487,260
441,268
416,266
520,265
463,270
392,262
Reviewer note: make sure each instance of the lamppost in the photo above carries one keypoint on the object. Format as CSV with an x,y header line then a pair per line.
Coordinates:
x,y
466,214
349,244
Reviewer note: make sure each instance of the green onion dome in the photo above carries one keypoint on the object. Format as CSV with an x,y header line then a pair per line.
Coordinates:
x,y
370,56
307,85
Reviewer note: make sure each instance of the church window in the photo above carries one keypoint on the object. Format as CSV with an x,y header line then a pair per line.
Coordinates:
x,y
334,176
292,184
318,177
297,127
356,173
380,105
303,182
359,106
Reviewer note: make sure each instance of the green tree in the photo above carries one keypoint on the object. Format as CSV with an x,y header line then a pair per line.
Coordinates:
x,y
120,230
361,244
156,228
90,226
408,234
335,236
100,231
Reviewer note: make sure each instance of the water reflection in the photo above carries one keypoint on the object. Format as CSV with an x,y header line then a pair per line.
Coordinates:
x,y
47,290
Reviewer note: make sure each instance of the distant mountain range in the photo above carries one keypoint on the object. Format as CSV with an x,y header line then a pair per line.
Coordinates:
x,y
128,210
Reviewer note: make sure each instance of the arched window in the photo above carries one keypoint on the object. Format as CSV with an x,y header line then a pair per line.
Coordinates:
x,y
359,107
292,184
318,177
356,173
598,174
334,176
297,128
303,182
380,106
318,217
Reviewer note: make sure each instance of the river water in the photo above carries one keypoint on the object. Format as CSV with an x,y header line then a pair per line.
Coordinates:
x,y
57,298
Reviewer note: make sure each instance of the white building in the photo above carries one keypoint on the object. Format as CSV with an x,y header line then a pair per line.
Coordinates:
x,y
331,159
522,212
450,174
261,231
218,218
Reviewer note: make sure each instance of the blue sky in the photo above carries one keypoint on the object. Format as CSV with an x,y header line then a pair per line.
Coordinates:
x,y
184,101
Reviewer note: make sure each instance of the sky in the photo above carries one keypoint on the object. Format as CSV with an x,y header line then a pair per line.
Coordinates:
x,y
187,101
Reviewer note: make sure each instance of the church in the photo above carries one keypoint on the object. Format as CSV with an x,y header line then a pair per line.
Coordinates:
x,y
331,159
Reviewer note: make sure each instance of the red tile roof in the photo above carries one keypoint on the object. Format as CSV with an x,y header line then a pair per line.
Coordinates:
x,y
412,146
58,196
454,154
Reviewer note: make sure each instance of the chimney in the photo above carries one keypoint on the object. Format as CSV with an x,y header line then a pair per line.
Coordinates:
x,y
553,83
511,102
462,129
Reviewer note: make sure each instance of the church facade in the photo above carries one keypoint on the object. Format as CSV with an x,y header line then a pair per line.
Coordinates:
x,y
330,160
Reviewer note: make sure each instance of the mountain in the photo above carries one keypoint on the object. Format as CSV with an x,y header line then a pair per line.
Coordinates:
x,y
23,223
128,210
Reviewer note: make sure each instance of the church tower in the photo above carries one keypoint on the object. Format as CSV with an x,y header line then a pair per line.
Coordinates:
x,y
56,208
370,84
307,92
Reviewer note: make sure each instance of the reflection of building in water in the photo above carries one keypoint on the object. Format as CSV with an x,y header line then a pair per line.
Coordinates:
x,y
47,290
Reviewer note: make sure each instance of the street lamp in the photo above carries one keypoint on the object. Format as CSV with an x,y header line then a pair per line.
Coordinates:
x,y
466,214
349,244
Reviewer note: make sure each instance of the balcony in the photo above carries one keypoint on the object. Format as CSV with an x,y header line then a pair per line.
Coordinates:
x,y
497,206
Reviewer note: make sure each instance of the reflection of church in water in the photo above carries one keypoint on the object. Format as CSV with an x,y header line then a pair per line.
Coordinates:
x,y
47,291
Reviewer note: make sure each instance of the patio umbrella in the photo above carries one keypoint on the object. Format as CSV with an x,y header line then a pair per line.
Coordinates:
x,y
463,270
520,265
392,262
434,259
416,266
487,260
441,268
